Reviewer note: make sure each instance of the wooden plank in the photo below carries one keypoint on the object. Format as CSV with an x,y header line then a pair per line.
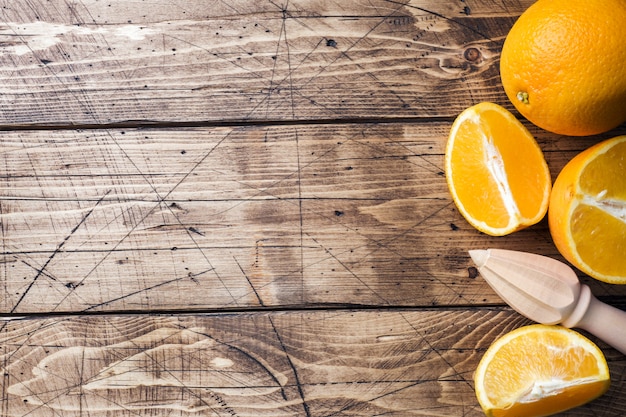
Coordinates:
x,y
240,217
96,62
308,363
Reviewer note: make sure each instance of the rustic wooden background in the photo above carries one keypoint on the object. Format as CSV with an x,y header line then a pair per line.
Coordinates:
x,y
237,208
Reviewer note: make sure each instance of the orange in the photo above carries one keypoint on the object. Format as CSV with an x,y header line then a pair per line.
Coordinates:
x,y
587,215
496,172
562,65
539,370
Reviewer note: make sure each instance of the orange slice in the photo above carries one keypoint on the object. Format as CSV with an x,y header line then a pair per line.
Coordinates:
x,y
540,370
496,171
587,215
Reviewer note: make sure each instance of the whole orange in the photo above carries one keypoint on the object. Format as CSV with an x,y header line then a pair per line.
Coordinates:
x,y
563,65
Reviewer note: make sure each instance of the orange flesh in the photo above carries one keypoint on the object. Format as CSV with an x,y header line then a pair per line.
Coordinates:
x,y
481,195
574,397
543,372
597,228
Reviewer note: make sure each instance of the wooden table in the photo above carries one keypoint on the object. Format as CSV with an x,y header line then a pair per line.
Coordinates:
x,y
238,208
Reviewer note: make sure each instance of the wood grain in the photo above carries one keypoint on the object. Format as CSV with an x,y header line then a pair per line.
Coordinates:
x,y
333,363
97,62
238,208
240,217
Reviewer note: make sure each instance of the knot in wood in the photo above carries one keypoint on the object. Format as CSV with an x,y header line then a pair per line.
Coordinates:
x,y
472,54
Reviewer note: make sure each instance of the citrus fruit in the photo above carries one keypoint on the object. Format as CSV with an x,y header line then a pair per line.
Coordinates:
x,y
539,370
562,65
496,172
587,215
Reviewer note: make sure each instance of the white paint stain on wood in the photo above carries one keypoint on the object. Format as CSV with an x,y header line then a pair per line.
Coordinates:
x,y
37,36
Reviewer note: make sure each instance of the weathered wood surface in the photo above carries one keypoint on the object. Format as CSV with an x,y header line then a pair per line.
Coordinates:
x,y
158,219
94,62
270,163
334,363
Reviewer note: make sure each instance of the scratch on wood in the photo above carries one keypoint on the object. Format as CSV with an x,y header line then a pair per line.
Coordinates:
x,y
278,378
145,289
294,370
171,208
443,17
204,372
256,293
58,249
350,271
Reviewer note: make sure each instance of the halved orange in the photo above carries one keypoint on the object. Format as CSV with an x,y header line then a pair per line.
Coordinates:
x,y
539,370
496,171
587,215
